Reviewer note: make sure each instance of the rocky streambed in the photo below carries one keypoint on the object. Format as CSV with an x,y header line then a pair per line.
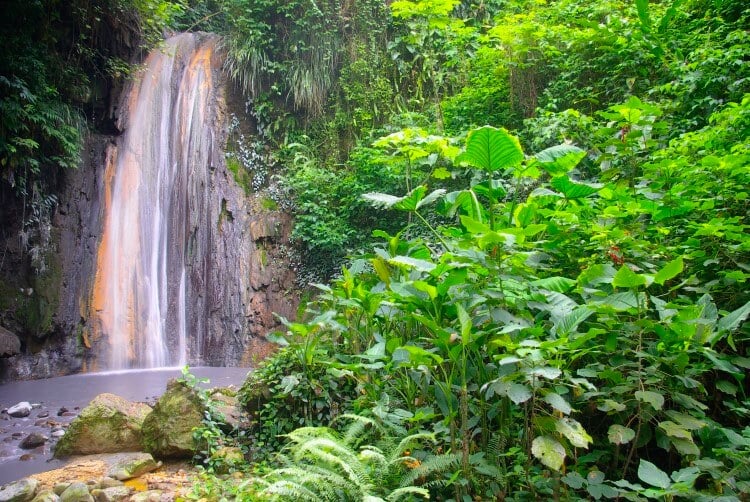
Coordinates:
x,y
102,426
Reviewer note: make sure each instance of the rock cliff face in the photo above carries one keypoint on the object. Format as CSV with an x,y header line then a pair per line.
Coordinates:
x,y
221,259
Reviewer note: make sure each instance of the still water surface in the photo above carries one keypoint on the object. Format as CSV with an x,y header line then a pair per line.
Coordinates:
x,y
73,393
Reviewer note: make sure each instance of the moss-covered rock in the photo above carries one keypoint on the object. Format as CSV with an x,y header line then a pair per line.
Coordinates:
x,y
76,492
111,494
133,466
19,491
46,496
168,429
109,424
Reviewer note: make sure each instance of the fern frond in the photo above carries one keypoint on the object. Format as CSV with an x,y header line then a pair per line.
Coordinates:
x,y
409,441
330,452
289,490
407,491
355,432
432,465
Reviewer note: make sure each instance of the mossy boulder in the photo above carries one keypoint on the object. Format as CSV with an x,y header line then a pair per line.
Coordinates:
x,y
133,466
19,491
46,496
76,492
168,429
109,424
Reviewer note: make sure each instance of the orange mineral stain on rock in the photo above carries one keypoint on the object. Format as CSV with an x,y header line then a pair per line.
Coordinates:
x,y
137,305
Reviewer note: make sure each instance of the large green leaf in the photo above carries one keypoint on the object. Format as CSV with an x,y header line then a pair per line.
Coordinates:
x,y
558,402
409,262
409,202
731,321
674,430
669,271
626,278
558,160
626,300
519,393
549,451
574,189
491,149
574,432
649,473
382,200
619,434
557,283
655,399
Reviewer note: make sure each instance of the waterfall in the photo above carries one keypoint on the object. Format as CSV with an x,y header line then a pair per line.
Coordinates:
x,y
159,164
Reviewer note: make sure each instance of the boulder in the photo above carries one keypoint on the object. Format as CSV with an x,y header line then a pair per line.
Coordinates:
x,y
20,410
46,496
147,496
109,424
133,466
226,458
10,344
108,482
61,487
19,491
32,441
76,492
111,494
168,429
228,407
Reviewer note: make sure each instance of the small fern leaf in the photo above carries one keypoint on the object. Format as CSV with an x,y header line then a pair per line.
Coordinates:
x,y
408,492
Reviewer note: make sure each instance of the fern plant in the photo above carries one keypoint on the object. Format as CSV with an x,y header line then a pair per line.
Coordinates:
x,y
367,461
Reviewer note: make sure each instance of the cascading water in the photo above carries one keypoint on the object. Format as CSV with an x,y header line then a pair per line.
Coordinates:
x,y
153,177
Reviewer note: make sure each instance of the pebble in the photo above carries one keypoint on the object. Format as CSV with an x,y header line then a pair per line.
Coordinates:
x,y
58,433
61,411
25,457
43,414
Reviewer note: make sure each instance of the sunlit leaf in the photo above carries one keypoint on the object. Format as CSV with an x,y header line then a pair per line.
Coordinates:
x,y
381,200
558,160
574,189
432,197
574,432
549,451
558,284
674,430
619,434
626,278
491,149
669,271
408,261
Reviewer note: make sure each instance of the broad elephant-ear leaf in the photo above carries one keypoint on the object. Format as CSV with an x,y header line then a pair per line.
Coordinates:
x,y
431,197
492,189
381,200
409,202
491,149
558,160
467,201
574,189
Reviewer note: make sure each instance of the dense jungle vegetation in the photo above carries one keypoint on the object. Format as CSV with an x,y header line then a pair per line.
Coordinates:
x,y
526,223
